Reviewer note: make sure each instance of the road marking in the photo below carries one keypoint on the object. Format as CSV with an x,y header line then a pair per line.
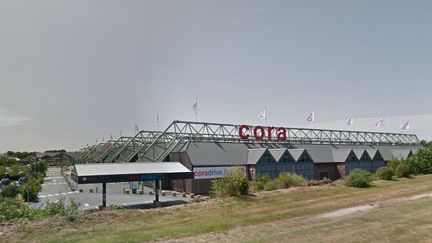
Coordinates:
x,y
42,196
57,183
86,205
58,194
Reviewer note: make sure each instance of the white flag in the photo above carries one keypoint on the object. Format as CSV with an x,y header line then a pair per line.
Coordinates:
x,y
311,117
136,128
405,126
195,105
157,119
350,121
380,123
263,114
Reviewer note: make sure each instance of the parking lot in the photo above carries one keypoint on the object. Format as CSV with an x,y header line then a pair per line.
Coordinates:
x,y
56,187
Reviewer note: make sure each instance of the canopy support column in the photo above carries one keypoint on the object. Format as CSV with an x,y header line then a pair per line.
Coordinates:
x,y
104,195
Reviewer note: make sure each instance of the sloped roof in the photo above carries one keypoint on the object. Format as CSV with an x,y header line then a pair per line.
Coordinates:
x,y
400,153
217,154
340,155
319,153
386,153
277,153
359,152
121,172
371,152
296,153
220,154
254,155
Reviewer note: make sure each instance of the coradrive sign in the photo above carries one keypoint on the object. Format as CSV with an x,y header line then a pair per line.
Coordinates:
x,y
213,172
262,133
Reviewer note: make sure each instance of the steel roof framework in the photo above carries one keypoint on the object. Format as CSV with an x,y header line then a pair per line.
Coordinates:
x,y
103,150
114,149
131,148
155,146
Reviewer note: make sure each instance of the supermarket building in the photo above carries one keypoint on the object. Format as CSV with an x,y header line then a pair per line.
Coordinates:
x,y
209,150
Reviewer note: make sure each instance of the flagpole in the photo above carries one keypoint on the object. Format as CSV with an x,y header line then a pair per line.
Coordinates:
x,y
196,113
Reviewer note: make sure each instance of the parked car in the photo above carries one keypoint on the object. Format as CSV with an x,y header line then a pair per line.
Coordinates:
x,y
22,180
4,182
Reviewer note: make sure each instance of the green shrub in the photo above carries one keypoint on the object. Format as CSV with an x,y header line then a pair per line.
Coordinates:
x,y
72,212
3,173
421,161
288,179
55,208
403,170
39,167
29,191
15,172
261,182
393,164
233,184
9,191
271,185
11,209
358,178
384,173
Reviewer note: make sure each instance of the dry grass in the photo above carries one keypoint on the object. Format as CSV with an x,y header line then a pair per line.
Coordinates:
x,y
269,216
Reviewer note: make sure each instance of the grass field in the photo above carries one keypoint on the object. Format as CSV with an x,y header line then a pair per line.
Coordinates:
x,y
395,215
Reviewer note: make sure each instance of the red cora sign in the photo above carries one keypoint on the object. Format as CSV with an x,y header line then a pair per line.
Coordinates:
x,y
262,133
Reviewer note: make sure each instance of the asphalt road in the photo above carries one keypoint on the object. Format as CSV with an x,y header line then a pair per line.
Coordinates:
x,y
56,187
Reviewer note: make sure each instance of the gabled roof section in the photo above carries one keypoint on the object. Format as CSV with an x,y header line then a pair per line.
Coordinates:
x,y
359,153
400,154
341,155
371,152
277,153
254,155
377,156
386,153
296,153
319,153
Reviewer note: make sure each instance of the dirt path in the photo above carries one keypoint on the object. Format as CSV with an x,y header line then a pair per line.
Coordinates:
x,y
238,233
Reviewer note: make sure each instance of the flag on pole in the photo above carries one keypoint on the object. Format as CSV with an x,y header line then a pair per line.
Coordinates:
x,y
157,119
262,116
121,132
311,117
96,141
103,139
405,126
350,121
380,123
136,128
111,136
195,105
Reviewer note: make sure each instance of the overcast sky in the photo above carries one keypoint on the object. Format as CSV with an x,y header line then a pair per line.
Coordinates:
x,y
75,71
